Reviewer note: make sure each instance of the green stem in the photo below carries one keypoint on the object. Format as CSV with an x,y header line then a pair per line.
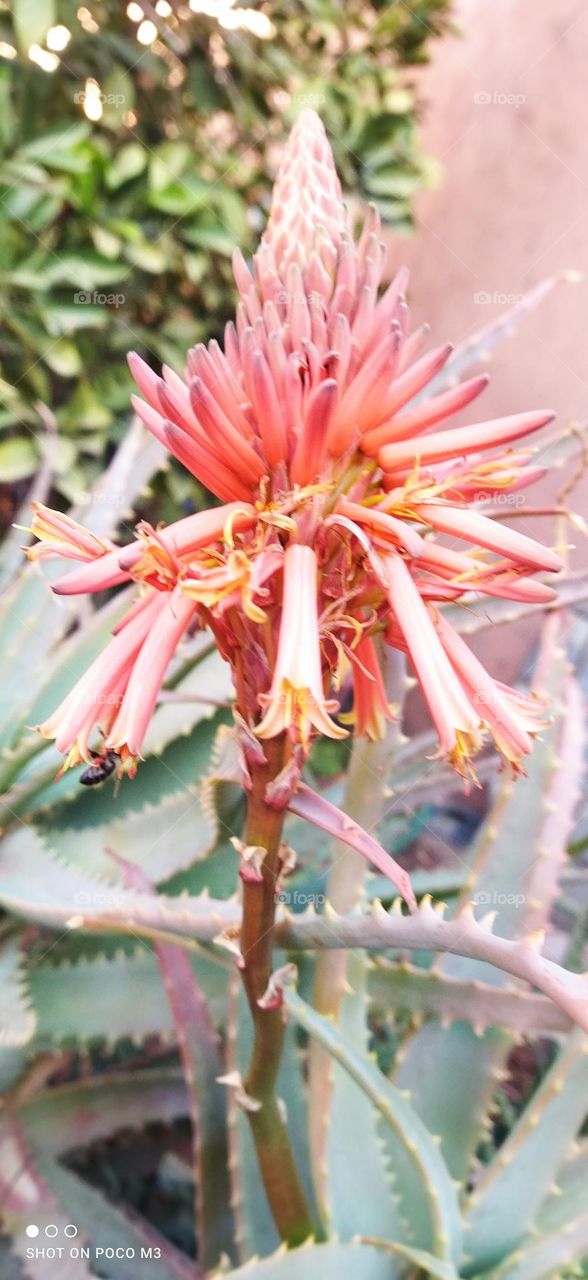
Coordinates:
x,y
284,1192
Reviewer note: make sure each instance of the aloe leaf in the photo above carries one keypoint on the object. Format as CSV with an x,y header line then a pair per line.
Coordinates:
x,y
351,1112
36,886
127,477
569,1198
26,1198
321,1262
200,1056
17,1017
109,998
505,1202
436,1267
430,992
548,1257
107,1226
509,877
419,1164
163,838
58,1119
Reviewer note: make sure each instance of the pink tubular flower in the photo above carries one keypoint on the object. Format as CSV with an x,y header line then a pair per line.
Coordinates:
x,y
296,699
338,493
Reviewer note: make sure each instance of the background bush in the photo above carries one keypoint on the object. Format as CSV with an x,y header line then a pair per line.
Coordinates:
x,y
116,231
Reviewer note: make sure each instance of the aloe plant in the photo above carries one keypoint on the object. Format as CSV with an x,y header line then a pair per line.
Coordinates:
x,y
122,935
115,934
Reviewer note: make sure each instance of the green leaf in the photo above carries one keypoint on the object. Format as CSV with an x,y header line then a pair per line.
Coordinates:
x,y
32,19
511,1190
506,862
377,1211
168,162
18,459
64,358
128,163
52,1120
17,1017
421,1161
106,1226
322,1262
180,198
548,1257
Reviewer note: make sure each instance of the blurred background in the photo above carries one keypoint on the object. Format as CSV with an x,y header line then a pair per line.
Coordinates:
x,y
138,147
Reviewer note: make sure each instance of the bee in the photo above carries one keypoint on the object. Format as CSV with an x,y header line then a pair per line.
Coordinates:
x,y
104,765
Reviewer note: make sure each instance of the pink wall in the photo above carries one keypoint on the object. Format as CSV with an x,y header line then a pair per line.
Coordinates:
x,y
506,116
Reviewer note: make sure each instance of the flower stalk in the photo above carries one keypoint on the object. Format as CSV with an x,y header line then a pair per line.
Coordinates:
x,y
263,831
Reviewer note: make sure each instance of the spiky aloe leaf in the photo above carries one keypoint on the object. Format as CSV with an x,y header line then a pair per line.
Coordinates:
x,y
110,997
504,1204
427,930
569,1197
164,838
426,992
362,1260
509,850
107,1226
26,1198
548,1257
422,1174
377,1212
201,1062
18,1022
36,886
86,1111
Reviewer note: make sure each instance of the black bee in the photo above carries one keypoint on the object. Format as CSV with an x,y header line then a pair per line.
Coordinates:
x,y
102,768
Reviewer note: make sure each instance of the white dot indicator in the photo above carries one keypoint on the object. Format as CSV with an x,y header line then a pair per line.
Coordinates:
x,y
70,1230
31,1231
51,1230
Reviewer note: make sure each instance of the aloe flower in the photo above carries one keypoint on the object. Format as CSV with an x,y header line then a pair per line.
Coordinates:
x,y
338,495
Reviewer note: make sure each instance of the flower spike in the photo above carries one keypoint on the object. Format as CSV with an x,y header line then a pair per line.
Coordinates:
x,y
341,479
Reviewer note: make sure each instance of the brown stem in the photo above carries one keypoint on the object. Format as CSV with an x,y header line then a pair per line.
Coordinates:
x,y
263,828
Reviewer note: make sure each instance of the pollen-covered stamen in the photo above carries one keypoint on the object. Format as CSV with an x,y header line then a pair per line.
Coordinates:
x,y
213,585
155,563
